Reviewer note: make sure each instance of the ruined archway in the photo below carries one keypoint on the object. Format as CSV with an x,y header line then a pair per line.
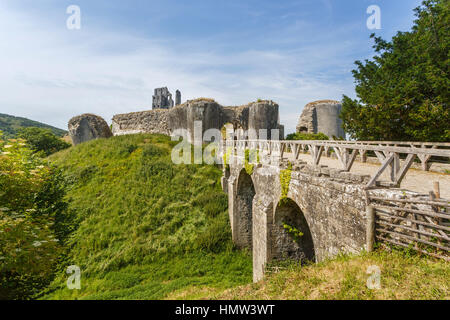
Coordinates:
x,y
244,209
292,238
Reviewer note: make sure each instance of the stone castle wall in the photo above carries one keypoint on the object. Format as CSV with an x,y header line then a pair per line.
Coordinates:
x,y
252,117
151,121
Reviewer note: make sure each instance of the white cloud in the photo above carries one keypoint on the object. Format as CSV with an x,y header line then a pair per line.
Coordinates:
x,y
50,74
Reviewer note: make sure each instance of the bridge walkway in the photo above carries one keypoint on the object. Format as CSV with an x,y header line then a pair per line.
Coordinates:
x,y
414,180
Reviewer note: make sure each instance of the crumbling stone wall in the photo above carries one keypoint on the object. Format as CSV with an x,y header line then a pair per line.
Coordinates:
x,y
152,121
162,99
251,117
321,116
177,97
87,127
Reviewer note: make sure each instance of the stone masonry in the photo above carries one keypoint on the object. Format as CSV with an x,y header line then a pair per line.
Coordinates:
x,y
252,117
322,116
151,121
177,97
162,99
327,205
87,127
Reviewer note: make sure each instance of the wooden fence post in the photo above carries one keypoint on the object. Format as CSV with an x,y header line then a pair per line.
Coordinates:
x,y
370,230
436,189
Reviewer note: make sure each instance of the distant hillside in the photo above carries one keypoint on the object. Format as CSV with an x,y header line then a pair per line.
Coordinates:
x,y
10,125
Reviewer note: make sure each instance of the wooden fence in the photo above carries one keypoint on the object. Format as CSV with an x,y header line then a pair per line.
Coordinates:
x,y
389,153
419,224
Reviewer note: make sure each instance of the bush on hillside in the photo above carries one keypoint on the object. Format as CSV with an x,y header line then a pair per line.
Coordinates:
x,y
42,141
31,194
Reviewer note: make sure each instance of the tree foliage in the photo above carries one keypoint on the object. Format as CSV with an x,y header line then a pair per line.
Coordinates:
x,y
42,141
31,200
403,91
307,136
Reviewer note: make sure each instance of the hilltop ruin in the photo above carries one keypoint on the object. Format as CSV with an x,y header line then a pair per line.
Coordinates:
x,y
250,118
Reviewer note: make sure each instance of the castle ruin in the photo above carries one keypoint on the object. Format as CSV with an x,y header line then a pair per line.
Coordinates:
x,y
256,118
177,97
322,116
162,99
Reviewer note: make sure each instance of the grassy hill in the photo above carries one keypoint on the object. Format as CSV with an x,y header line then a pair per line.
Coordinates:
x,y
146,227
10,125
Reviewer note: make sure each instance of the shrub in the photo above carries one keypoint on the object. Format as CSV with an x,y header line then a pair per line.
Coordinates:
x,y
307,136
42,141
31,200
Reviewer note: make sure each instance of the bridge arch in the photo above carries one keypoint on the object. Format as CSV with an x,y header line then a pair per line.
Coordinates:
x,y
244,211
291,236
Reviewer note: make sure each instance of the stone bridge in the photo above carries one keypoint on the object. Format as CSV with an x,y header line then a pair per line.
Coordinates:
x,y
280,207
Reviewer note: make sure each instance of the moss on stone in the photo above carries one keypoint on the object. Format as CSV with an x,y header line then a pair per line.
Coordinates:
x,y
226,156
285,180
247,165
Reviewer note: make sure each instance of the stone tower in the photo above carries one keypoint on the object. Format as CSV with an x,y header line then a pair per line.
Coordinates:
x,y
322,116
177,97
162,99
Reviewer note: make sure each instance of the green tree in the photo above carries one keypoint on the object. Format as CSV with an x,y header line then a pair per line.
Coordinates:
x,y
31,200
42,140
402,93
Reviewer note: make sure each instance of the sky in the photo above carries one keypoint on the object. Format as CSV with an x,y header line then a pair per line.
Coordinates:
x,y
235,51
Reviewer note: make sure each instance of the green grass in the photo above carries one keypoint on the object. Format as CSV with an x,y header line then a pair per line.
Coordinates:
x,y
402,276
146,228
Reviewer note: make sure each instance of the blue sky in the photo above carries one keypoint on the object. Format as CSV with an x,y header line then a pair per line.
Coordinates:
x,y
292,52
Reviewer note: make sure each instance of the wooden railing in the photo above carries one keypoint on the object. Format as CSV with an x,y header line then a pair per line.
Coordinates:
x,y
420,225
389,153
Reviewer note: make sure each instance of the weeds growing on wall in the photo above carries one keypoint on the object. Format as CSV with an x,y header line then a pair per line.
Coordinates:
x,y
226,157
293,231
285,180
249,156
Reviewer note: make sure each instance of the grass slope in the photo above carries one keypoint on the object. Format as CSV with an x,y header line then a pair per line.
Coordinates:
x,y
403,276
146,227
10,125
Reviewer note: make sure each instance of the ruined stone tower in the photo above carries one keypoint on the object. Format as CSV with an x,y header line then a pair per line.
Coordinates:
x,y
322,116
177,97
162,99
